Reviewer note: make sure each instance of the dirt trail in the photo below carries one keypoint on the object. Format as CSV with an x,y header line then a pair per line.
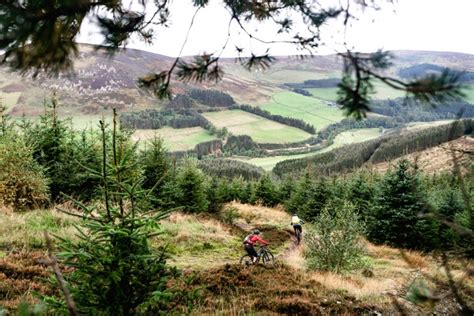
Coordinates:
x,y
293,255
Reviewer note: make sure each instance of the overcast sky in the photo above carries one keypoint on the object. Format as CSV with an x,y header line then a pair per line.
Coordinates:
x,y
440,25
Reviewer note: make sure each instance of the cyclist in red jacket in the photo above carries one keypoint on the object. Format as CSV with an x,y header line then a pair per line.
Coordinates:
x,y
250,241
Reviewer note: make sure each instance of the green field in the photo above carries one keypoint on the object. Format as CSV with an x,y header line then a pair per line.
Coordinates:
x,y
308,109
344,138
175,139
470,93
260,129
382,92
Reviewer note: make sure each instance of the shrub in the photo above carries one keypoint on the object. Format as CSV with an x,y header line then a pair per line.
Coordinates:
x,y
335,243
229,215
23,184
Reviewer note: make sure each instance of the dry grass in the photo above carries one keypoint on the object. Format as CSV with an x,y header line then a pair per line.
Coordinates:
x,y
197,241
25,230
260,215
436,159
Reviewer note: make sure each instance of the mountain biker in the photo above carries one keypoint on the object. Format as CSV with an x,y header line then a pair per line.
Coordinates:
x,y
296,222
250,241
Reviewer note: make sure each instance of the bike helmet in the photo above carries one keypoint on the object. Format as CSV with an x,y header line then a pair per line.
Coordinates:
x,y
256,232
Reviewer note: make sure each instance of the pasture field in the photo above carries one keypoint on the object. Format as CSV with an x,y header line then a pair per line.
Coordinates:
x,y
470,93
382,92
175,139
344,138
259,128
308,109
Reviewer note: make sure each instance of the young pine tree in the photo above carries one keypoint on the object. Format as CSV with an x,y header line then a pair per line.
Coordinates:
x,y
192,187
265,192
23,184
396,218
157,170
113,270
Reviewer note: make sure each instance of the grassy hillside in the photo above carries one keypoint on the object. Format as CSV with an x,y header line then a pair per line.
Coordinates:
x,y
208,250
308,109
382,92
260,129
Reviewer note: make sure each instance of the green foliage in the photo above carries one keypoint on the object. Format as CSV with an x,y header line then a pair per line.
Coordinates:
x,y
65,154
192,187
266,192
229,215
361,193
114,271
156,168
23,184
397,217
214,197
309,197
25,309
335,243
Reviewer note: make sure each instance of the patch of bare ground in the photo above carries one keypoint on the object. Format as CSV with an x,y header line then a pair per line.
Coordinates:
x,y
438,159
237,290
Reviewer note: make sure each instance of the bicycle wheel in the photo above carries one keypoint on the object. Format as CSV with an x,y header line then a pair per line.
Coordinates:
x,y
246,260
268,258
298,238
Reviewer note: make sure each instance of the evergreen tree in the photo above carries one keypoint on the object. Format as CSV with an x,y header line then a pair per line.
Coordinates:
x,y
248,195
192,188
265,192
113,270
319,194
214,198
48,139
286,189
400,203
300,195
156,170
23,184
450,206
361,193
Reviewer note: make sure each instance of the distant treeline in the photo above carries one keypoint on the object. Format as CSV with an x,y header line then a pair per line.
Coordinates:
x,y
278,118
382,149
212,98
226,168
319,83
242,145
422,70
332,130
408,110
155,119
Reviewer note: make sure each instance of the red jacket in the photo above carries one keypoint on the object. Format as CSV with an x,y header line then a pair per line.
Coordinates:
x,y
254,239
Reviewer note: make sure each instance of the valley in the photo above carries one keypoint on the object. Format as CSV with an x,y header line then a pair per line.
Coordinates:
x,y
243,154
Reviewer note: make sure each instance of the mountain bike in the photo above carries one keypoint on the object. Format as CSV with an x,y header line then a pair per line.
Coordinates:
x,y
297,235
263,253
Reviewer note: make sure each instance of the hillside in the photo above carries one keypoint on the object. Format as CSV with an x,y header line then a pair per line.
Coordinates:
x,y
208,250
438,159
101,82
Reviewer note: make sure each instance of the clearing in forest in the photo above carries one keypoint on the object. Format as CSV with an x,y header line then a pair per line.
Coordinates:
x,y
175,139
311,110
261,130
